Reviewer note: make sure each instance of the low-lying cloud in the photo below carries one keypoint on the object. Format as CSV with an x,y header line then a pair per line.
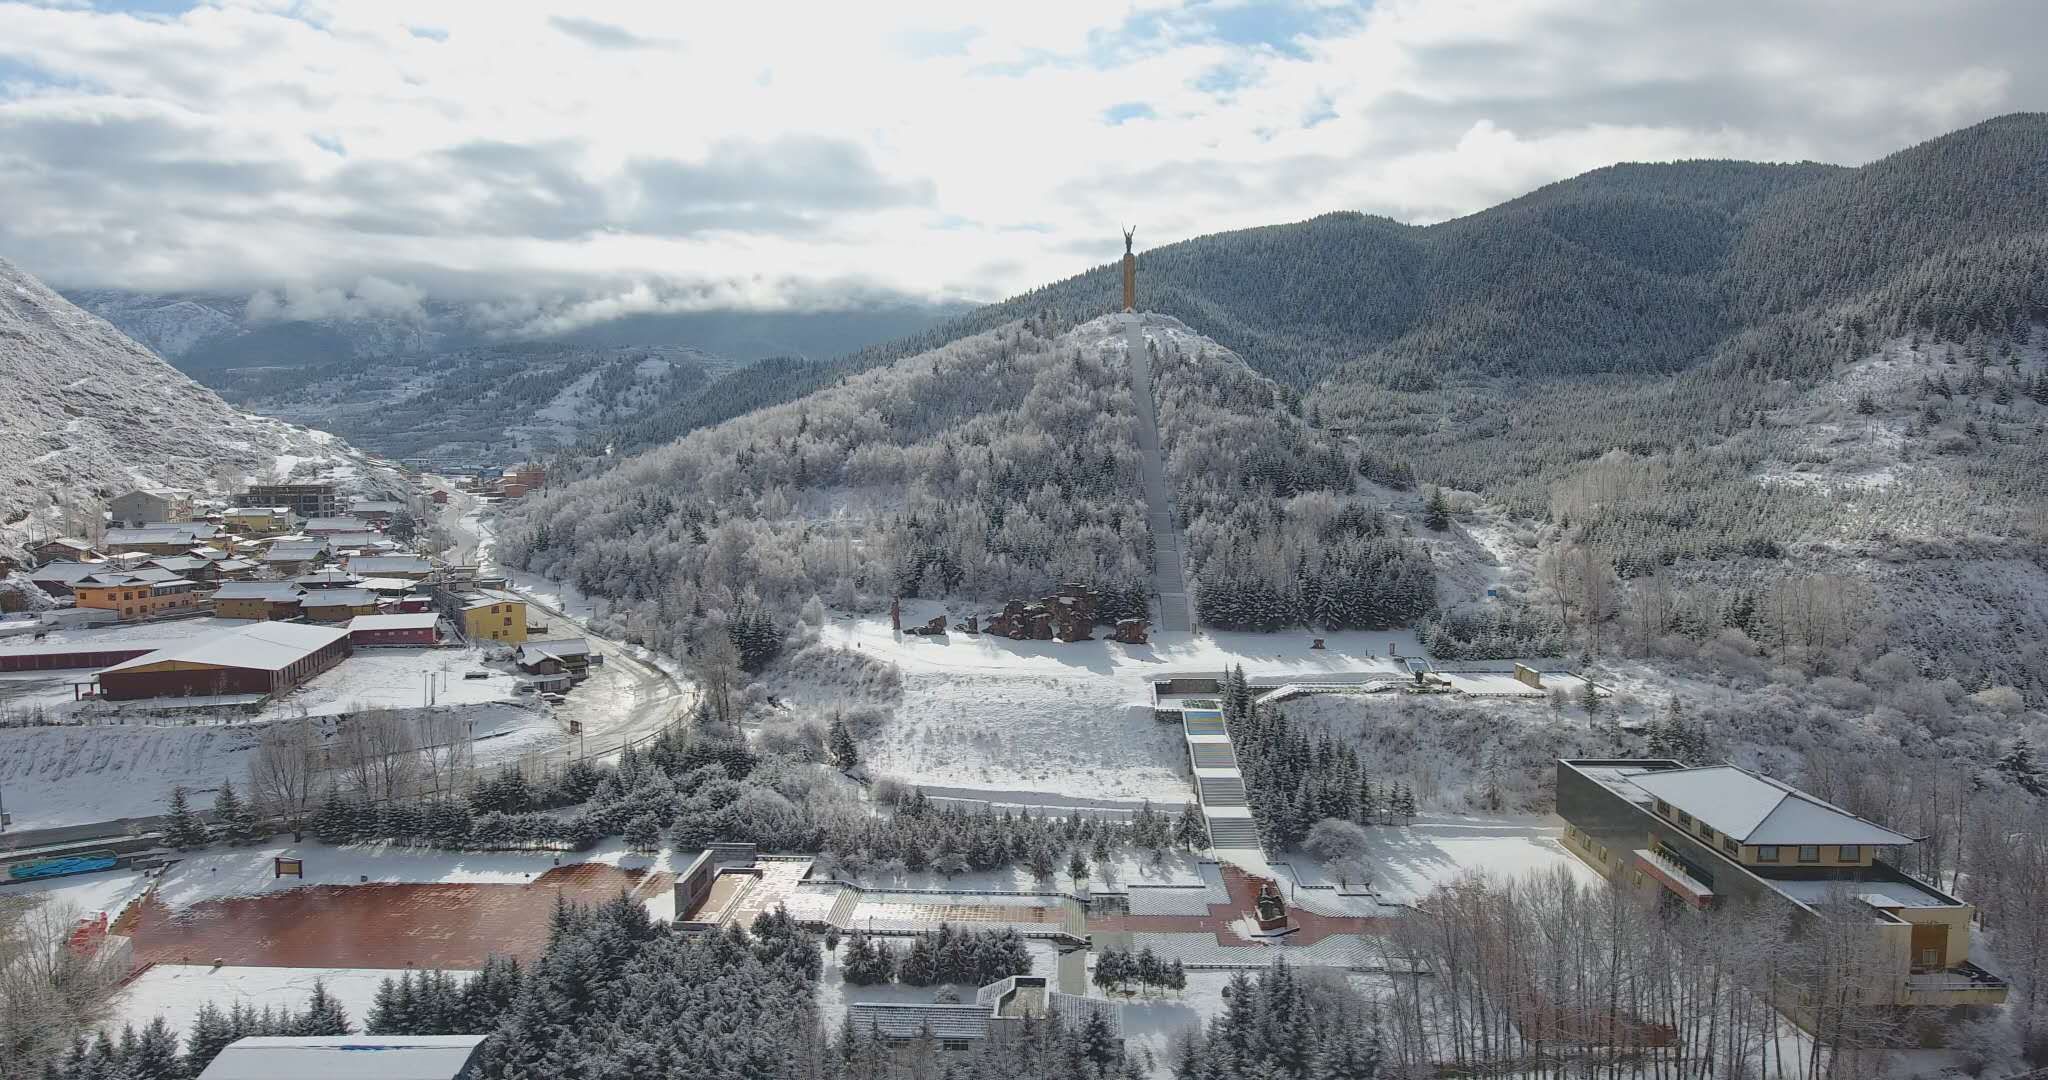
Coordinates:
x,y
358,160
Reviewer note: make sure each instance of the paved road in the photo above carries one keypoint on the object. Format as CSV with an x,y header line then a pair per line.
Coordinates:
x,y
646,699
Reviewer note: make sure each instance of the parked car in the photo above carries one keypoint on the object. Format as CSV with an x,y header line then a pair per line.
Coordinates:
x,y
476,674
553,698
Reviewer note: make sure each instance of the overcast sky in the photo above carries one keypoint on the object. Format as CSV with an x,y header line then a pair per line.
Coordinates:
x,y
611,157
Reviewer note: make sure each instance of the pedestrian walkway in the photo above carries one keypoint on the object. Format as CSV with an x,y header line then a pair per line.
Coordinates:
x,y
1219,786
1169,573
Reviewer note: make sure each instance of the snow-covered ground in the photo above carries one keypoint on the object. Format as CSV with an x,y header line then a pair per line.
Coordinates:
x,y
1408,861
397,678
68,775
87,895
177,991
1041,722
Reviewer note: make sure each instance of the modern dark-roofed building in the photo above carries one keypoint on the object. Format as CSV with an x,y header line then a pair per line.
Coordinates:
x,y
1720,835
266,658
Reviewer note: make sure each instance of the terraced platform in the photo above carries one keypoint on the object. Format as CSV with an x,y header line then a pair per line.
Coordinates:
x,y
1210,755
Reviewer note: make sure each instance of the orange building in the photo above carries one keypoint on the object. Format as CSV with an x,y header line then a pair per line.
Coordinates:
x,y
135,596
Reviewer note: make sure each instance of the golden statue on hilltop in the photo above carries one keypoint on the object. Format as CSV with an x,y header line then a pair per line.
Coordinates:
x,y
1130,272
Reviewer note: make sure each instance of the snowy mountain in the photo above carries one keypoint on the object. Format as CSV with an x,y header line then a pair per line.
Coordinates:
x,y
89,412
486,404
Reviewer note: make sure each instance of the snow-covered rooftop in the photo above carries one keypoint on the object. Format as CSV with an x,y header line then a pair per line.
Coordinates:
x,y
268,646
345,1057
389,564
273,591
338,598
1755,809
419,620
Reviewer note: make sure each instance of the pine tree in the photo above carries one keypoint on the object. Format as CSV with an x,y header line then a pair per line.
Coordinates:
x,y
323,1016
1077,867
182,827
210,1034
839,743
1436,511
1098,1043
155,1056
235,819
2019,767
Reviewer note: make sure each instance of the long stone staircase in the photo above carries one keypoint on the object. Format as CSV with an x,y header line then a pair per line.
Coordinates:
x,y
1169,572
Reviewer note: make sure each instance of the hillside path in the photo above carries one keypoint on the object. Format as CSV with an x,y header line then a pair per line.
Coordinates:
x,y
1169,575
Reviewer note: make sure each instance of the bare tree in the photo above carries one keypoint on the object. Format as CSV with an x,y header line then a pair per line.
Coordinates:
x,y
283,770
49,992
716,665
445,750
380,753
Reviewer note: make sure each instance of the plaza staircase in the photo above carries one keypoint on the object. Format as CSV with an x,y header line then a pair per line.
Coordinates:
x,y
1169,573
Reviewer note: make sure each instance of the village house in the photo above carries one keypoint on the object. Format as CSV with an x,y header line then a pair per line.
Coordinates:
x,y
293,557
486,614
1724,836
411,567
136,595
328,579
558,656
255,661
327,526
63,549
150,506
378,512
160,539
56,578
337,605
421,628
364,543
259,520
305,500
257,600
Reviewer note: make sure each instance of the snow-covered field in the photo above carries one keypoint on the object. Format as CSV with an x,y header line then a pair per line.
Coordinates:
x,y
87,895
68,775
1040,721
397,678
1408,861
176,991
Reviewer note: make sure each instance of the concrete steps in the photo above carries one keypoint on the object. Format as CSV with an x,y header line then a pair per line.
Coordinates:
x,y
1233,832
1221,790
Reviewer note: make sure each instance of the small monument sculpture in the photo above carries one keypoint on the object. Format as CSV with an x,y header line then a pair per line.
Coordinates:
x,y
1272,911
1130,272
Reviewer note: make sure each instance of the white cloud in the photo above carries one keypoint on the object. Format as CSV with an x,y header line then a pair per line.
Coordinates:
x,y
785,153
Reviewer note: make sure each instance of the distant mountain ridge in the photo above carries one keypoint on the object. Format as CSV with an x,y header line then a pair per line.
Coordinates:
x,y
89,412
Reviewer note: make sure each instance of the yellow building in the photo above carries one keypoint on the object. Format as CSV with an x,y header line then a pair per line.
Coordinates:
x,y
135,596
1719,836
494,616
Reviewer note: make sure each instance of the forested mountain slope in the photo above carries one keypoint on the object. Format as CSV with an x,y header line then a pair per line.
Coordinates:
x,y
1629,269
994,467
88,413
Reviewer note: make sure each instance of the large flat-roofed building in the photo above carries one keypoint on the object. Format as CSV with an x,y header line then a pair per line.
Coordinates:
x,y
348,1057
160,539
417,628
266,658
1720,836
415,567
305,500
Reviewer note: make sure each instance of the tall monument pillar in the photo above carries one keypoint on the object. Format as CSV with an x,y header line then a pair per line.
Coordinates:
x,y
1130,272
